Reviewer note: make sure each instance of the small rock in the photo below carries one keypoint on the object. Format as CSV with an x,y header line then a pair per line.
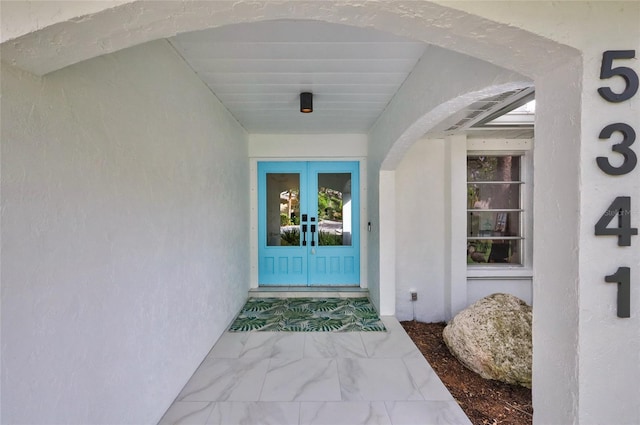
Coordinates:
x,y
492,337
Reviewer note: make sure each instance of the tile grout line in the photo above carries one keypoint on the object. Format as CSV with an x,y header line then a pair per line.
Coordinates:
x,y
413,380
214,404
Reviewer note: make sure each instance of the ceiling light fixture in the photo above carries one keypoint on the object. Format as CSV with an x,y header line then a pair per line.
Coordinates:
x,y
306,102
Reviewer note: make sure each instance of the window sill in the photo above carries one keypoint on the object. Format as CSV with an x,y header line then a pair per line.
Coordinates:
x,y
498,272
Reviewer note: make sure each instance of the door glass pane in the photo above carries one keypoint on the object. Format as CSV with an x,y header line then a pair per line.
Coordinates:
x,y
283,209
334,209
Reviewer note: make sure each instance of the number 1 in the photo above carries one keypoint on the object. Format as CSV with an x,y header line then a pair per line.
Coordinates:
x,y
622,276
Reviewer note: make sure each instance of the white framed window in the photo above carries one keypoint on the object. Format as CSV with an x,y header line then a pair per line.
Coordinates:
x,y
498,210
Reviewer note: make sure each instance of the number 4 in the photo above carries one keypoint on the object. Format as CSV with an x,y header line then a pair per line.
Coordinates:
x,y
620,207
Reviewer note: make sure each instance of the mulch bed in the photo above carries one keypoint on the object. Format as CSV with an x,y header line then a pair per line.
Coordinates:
x,y
484,401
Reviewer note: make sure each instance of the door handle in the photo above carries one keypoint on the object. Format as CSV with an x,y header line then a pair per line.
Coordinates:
x,y
313,231
304,235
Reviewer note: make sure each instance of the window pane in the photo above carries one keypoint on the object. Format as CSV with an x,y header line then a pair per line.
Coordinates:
x,y
334,209
494,233
493,196
493,168
283,209
494,251
493,223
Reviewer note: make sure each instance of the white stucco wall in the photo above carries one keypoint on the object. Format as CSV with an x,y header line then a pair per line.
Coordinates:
x,y
420,232
442,83
600,329
586,367
124,236
24,16
426,97
455,164
426,225
519,287
592,354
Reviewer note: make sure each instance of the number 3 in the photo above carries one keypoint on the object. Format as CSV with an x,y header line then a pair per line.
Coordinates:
x,y
623,148
629,75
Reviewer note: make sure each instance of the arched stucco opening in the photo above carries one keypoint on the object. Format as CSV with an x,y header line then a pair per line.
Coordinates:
x,y
43,41
438,114
555,308
77,38
455,297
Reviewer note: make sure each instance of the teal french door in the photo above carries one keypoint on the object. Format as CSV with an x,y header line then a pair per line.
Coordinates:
x,y
308,223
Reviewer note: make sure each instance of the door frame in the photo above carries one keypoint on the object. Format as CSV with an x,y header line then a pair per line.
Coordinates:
x,y
253,207
316,263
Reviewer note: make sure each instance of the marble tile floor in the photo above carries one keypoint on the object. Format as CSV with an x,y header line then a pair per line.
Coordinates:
x,y
321,378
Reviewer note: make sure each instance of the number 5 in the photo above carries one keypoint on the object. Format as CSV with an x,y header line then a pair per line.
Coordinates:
x,y
629,75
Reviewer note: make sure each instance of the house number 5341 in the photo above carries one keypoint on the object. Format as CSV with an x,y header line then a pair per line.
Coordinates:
x,y
621,206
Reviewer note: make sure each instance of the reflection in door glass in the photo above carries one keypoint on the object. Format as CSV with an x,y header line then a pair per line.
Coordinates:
x,y
283,209
334,209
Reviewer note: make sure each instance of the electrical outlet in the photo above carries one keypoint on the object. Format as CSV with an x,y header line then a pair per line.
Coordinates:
x,y
414,296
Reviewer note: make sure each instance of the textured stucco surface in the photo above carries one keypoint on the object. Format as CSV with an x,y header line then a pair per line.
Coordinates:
x,y
556,275
124,236
427,227
420,232
22,17
65,38
442,83
586,364
609,346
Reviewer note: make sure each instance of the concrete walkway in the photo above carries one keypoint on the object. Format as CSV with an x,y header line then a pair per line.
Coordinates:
x,y
323,378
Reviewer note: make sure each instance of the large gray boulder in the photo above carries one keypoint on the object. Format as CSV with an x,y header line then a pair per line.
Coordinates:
x,y
493,338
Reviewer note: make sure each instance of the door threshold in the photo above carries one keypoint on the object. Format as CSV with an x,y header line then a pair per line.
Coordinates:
x,y
309,291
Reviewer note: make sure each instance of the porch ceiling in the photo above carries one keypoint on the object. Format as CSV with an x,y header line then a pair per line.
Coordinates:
x,y
258,70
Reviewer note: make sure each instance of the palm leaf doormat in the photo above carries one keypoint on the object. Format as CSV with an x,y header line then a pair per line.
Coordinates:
x,y
308,315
